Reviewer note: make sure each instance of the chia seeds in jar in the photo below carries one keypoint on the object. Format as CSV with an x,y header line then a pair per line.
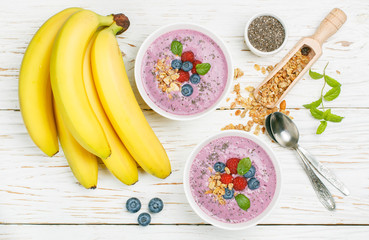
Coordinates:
x,y
266,33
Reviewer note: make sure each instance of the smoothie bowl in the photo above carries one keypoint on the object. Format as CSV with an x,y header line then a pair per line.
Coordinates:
x,y
183,71
232,180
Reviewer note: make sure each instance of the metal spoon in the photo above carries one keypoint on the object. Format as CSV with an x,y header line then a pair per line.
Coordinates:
x,y
279,130
290,129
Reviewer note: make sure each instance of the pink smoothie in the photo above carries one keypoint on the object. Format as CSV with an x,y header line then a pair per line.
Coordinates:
x,y
221,150
205,93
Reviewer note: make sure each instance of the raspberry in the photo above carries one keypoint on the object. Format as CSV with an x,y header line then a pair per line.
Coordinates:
x,y
232,164
183,76
193,70
226,178
188,56
239,183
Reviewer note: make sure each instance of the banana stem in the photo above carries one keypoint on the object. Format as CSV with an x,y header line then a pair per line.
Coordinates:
x,y
105,20
121,23
115,28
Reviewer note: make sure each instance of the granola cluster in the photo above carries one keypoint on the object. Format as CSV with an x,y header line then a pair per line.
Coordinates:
x,y
217,188
166,76
270,92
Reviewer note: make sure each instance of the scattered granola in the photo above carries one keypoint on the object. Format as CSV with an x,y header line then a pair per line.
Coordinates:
x,y
270,68
264,69
238,73
257,67
257,112
254,107
270,92
166,76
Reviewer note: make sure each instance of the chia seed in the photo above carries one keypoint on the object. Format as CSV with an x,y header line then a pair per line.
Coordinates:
x,y
266,33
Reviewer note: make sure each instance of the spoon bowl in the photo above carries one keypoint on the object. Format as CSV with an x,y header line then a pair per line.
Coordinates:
x,y
284,130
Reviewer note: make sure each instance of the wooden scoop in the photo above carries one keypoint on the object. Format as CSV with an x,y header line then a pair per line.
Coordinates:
x,y
329,26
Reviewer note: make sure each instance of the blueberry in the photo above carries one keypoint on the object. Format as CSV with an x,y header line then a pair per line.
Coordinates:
x,y
144,219
187,90
253,183
133,205
187,66
219,167
195,78
176,64
228,194
156,205
250,173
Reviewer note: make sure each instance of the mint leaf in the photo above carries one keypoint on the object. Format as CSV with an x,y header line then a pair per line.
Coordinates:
x,y
333,118
313,104
316,113
243,201
315,75
331,82
176,47
332,94
321,128
203,68
243,166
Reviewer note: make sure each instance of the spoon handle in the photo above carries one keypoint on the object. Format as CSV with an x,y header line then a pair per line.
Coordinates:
x,y
324,196
324,171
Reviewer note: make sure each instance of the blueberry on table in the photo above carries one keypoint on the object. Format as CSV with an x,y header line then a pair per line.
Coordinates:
x,y
187,90
219,167
176,64
144,219
195,78
133,205
250,173
187,66
253,183
228,194
156,205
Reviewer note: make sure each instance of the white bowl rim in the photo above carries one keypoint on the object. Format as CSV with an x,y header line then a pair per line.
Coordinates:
x,y
171,27
252,48
207,218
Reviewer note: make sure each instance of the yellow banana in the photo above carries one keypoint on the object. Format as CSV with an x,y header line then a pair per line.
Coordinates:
x,y
67,81
35,96
120,162
82,163
120,105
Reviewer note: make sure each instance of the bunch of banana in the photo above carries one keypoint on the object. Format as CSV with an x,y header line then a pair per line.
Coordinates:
x,y
73,85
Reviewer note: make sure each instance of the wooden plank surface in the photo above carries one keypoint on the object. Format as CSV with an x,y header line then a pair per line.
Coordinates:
x,y
40,190
128,232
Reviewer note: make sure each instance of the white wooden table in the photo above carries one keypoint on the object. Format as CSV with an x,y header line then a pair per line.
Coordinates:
x,y
40,198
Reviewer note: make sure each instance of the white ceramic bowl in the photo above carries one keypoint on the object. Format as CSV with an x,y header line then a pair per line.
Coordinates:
x,y
256,51
168,28
213,221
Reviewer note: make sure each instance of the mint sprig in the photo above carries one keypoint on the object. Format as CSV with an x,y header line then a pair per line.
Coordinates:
x,y
324,115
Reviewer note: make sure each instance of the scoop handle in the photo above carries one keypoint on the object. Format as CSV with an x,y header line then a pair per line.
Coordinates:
x,y
330,25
